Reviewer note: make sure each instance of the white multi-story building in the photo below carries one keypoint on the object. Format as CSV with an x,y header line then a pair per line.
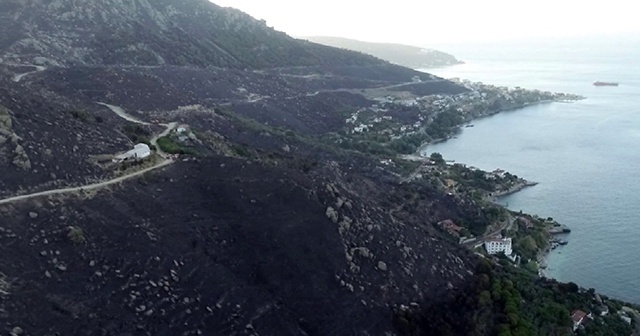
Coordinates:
x,y
495,246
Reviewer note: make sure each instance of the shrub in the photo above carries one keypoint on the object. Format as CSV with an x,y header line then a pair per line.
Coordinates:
x,y
168,145
76,235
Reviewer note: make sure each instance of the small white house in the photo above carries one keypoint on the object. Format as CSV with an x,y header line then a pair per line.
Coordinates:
x,y
182,129
139,152
495,246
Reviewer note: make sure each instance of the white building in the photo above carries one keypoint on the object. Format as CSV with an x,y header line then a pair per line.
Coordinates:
x,y
139,152
182,129
495,246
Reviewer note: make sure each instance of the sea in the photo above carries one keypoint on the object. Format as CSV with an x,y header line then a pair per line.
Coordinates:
x,y
585,155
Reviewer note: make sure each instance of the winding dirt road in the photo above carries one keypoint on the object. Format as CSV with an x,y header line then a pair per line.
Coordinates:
x,y
17,78
122,114
119,111
85,187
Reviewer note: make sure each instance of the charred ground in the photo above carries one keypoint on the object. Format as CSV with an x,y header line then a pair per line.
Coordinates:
x,y
225,246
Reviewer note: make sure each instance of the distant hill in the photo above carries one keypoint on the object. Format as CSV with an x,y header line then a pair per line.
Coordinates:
x,y
405,55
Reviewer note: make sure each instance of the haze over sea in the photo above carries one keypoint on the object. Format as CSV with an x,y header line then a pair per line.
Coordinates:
x,y
585,155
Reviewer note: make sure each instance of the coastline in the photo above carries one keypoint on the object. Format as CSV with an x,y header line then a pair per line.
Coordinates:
x,y
458,128
516,188
542,254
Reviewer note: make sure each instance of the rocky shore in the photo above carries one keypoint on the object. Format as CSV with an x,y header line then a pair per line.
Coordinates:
x,y
514,189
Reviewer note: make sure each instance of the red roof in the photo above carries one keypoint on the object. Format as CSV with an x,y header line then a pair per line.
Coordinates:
x,y
578,315
450,225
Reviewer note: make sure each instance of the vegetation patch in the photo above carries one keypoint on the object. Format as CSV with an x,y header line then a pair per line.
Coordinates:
x,y
76,235
83,116
169,145
137,133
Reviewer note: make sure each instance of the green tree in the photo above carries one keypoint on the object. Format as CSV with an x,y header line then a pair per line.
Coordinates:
x,y
437,158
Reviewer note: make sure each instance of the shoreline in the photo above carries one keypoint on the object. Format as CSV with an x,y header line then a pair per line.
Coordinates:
x,y
516,188
541,255
457,129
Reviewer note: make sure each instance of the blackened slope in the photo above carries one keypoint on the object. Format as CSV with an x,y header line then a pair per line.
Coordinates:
x,y
58,137
221,246
154,32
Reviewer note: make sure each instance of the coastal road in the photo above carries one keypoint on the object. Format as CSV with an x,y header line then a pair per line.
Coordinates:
x,y
93,186
315,93
507,225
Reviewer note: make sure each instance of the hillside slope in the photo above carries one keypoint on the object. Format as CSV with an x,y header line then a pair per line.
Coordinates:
x,y
221,246
152,32
405,55
274,202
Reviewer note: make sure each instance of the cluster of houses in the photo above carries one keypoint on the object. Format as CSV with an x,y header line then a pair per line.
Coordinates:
x,y
468,104
581,318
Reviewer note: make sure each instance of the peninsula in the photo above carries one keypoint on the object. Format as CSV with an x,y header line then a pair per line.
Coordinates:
x,y
405,55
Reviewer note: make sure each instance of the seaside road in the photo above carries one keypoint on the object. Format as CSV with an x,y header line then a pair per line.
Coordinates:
x,y
506,226
85,187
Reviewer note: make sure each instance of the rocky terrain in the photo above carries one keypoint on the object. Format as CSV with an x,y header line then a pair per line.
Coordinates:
x,y
239,248
150,33
256,221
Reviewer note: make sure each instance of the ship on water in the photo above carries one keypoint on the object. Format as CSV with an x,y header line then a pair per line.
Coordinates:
x,y
599,83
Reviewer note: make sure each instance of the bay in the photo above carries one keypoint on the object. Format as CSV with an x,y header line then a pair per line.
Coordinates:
x,y
585,155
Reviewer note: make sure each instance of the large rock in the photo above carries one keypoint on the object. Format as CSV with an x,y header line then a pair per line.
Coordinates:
x,y
5,119
21,159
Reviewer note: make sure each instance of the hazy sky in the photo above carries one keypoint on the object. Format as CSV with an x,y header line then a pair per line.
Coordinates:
x,y
424,22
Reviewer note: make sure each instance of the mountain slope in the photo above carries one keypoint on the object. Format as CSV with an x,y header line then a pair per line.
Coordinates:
x,y
152,32
223,246
405,55
272,215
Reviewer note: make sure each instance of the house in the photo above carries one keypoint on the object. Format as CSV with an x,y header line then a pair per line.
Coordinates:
x,y
625,318
139,152
182,128
498,245
450,184
450,227
499,173
578,317
525,221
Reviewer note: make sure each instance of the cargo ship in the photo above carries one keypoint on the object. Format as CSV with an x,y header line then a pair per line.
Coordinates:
x,y
598,83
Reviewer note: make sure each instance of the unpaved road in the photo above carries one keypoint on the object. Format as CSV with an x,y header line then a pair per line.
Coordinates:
x,y
85,187
154,141
120,112
18,78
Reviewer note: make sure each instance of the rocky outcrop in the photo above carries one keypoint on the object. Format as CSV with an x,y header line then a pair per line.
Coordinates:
x,y
10,148
144,32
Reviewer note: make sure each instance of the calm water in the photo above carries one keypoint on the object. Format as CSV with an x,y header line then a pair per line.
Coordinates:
x,y
585,155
